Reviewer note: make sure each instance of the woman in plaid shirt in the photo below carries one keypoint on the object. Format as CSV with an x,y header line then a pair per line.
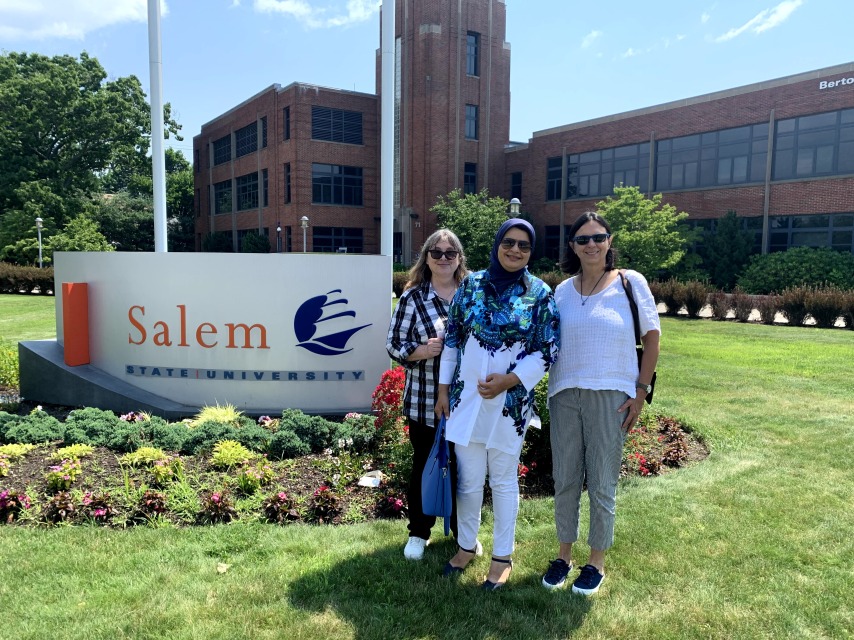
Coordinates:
x,y
415,340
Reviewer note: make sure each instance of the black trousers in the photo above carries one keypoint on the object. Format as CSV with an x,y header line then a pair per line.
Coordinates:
x,y
422,436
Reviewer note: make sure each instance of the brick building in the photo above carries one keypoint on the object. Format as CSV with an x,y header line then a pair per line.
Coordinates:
x,y
780,153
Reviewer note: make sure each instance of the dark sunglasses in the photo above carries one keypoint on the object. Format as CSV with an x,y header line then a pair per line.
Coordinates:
x,y
509,243
598,238
450,254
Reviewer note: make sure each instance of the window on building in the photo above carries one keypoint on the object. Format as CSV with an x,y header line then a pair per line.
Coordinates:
x,y
551,241
247,191
336,125
473,53
198,202
222,197
222,150
831,230
815,145
287,183
470,177
596,173
264,132
471,121
286,123
553,173
516,185
289,246
334,239
266,191
246,140
196,160
714,158
336,184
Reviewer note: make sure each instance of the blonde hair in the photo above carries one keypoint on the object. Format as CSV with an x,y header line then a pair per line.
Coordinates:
x,y
420,272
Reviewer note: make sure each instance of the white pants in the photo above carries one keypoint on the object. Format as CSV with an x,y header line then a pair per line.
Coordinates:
x,y
473,463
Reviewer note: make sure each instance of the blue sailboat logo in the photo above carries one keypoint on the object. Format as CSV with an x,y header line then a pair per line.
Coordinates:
x,y
311,313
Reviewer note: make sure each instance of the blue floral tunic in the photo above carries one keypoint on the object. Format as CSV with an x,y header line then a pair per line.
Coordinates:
x,y
517,332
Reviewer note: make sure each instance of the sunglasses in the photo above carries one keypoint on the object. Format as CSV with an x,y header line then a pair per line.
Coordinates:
x,y
598,238
509,243
450,254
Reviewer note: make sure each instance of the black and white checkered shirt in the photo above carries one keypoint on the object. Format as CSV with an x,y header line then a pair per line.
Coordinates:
x,y
419,315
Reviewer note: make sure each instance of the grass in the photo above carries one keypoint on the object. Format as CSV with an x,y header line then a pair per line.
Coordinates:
x,y
755,542
27,318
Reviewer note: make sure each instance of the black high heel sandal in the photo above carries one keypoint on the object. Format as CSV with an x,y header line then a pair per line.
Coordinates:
x,y
488,585
452,571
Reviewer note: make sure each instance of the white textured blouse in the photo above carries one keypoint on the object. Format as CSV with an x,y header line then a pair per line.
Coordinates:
x,y
598,338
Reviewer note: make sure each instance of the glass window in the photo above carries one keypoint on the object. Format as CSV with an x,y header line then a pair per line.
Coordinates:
x,y
470,178
264,132
247,191
246,140
516,185
336,125
266,188
336,184
286,123
287,183
821,144
335,239
471,121
222,197
473,53
222,150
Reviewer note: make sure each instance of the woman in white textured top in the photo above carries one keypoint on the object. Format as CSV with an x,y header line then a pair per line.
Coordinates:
x,y
596,392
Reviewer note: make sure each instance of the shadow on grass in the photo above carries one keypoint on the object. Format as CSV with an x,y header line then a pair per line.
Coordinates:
x,y
381,595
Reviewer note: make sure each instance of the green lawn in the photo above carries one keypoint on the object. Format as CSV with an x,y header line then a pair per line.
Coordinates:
x,y
754,542
27,318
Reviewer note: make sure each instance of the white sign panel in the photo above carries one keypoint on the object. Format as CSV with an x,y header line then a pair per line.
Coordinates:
x,y
259,331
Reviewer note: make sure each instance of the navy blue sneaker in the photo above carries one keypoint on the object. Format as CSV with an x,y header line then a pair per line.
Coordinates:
x,y
556,574
588,581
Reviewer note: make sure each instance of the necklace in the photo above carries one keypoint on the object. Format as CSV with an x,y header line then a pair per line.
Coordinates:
x,y
581,288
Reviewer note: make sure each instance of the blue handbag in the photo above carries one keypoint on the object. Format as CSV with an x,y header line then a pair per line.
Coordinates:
x,y
436,496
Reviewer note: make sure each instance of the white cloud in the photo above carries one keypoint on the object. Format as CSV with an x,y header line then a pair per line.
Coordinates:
x,y
73,19
589,38
316,17
705,17
764,20
629,53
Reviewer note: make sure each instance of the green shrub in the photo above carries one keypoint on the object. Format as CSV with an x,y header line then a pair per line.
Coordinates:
x,y
227,413
849,309
825,305
8,364
166,435
286,444
553,278
742,304
802,266
793,305
537,446
73,452
721,305
255,243
671,294
315,431
21,279
35,428
228,453
15,452
356,433
398,281
101,428
206,434
144,457
694,296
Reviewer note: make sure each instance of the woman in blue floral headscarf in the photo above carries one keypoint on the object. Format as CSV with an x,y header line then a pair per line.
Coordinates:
x,y
502,336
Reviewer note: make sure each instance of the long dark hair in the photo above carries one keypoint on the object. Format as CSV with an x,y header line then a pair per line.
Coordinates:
x,y
571,264
420,272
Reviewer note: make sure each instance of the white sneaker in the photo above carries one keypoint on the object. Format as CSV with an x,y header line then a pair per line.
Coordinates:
x,y
414,549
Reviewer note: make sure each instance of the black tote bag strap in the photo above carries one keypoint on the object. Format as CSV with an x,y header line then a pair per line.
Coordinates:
x,y
627,287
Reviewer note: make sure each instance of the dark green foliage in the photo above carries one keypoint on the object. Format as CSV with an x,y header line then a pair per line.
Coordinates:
x,y
280,508
217,242
255,243
17,279
802,266
315,431
286,444
357,436
398,281
793,305
727,251
542,265
169,436
475,218
206,434
93,426
323,507
34,428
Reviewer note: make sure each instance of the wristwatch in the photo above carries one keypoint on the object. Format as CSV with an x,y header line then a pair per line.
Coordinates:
x,y
645,387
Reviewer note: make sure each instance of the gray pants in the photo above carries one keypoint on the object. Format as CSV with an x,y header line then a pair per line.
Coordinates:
x,y
587,443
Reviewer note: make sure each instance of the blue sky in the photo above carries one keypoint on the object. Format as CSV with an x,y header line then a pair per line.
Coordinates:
x,y
571,61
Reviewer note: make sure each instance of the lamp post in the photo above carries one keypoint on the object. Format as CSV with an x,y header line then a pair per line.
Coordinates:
x,y
278,237
39,230
515,207
303,222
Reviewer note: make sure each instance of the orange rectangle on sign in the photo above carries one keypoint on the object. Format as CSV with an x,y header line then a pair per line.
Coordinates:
x,y
75,322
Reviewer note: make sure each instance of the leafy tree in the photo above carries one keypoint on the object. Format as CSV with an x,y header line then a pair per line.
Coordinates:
x,y
179,202
81,234
63,126
255,243
475,218
726,252
217,242
126,221
647,233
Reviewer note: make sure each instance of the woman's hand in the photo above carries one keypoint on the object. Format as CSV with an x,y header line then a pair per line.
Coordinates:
x,y
443,405
632,407
495,384
433,348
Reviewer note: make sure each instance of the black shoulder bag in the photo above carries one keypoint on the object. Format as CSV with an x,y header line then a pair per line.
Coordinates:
x,y
627,287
